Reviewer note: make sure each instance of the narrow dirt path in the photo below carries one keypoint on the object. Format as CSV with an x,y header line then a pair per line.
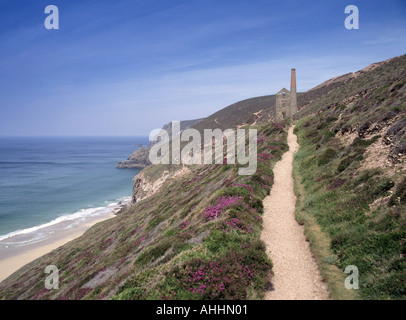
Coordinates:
x,y
296,274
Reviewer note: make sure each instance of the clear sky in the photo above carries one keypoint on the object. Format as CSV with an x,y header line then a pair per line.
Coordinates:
x,y
125,67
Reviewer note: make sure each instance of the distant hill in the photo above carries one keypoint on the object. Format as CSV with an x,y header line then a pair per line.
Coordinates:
x,y
140,157
185,124
240,113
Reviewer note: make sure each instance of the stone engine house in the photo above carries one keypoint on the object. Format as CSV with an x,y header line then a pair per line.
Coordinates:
x,y
286,101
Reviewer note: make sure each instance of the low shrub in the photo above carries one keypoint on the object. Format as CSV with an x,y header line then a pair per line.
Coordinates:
x,y
326,157
400,194
226,277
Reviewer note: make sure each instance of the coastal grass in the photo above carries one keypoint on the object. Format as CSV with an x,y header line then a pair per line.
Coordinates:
x,y
350,200
320,243
230,262
347,217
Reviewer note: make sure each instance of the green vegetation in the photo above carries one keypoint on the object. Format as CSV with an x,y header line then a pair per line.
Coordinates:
x,y
320,243
326,156
247,111
339,198
355,215
399,197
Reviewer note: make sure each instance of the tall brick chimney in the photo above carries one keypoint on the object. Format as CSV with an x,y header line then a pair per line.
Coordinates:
x,y
293,99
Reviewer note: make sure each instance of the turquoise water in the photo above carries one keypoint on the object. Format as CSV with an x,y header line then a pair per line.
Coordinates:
x,y
43,179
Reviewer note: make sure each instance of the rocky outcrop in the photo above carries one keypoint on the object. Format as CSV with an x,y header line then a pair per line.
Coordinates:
x,y
145,184
396,138
142,188
139,159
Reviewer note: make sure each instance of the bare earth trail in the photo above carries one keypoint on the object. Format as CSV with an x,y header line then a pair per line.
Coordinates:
x,y
296,274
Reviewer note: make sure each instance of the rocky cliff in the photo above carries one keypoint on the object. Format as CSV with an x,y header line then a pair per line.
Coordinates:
x,y
151,179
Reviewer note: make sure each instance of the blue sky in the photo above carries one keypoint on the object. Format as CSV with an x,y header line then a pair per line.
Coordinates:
x,y
126,67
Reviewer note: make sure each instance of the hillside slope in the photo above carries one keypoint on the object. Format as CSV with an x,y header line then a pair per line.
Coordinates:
x,y
352,167
196,237
249,111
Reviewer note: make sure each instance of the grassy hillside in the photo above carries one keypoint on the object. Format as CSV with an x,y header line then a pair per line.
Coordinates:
x,y
351,166
198,237
243,112
258,110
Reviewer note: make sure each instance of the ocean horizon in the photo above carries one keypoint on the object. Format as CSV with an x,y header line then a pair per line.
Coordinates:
x,y
52,180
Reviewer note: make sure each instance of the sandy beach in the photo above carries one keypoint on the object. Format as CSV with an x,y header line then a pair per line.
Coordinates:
x,y
13,258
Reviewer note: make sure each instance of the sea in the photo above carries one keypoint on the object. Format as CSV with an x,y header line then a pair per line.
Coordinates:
x,y
46,181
